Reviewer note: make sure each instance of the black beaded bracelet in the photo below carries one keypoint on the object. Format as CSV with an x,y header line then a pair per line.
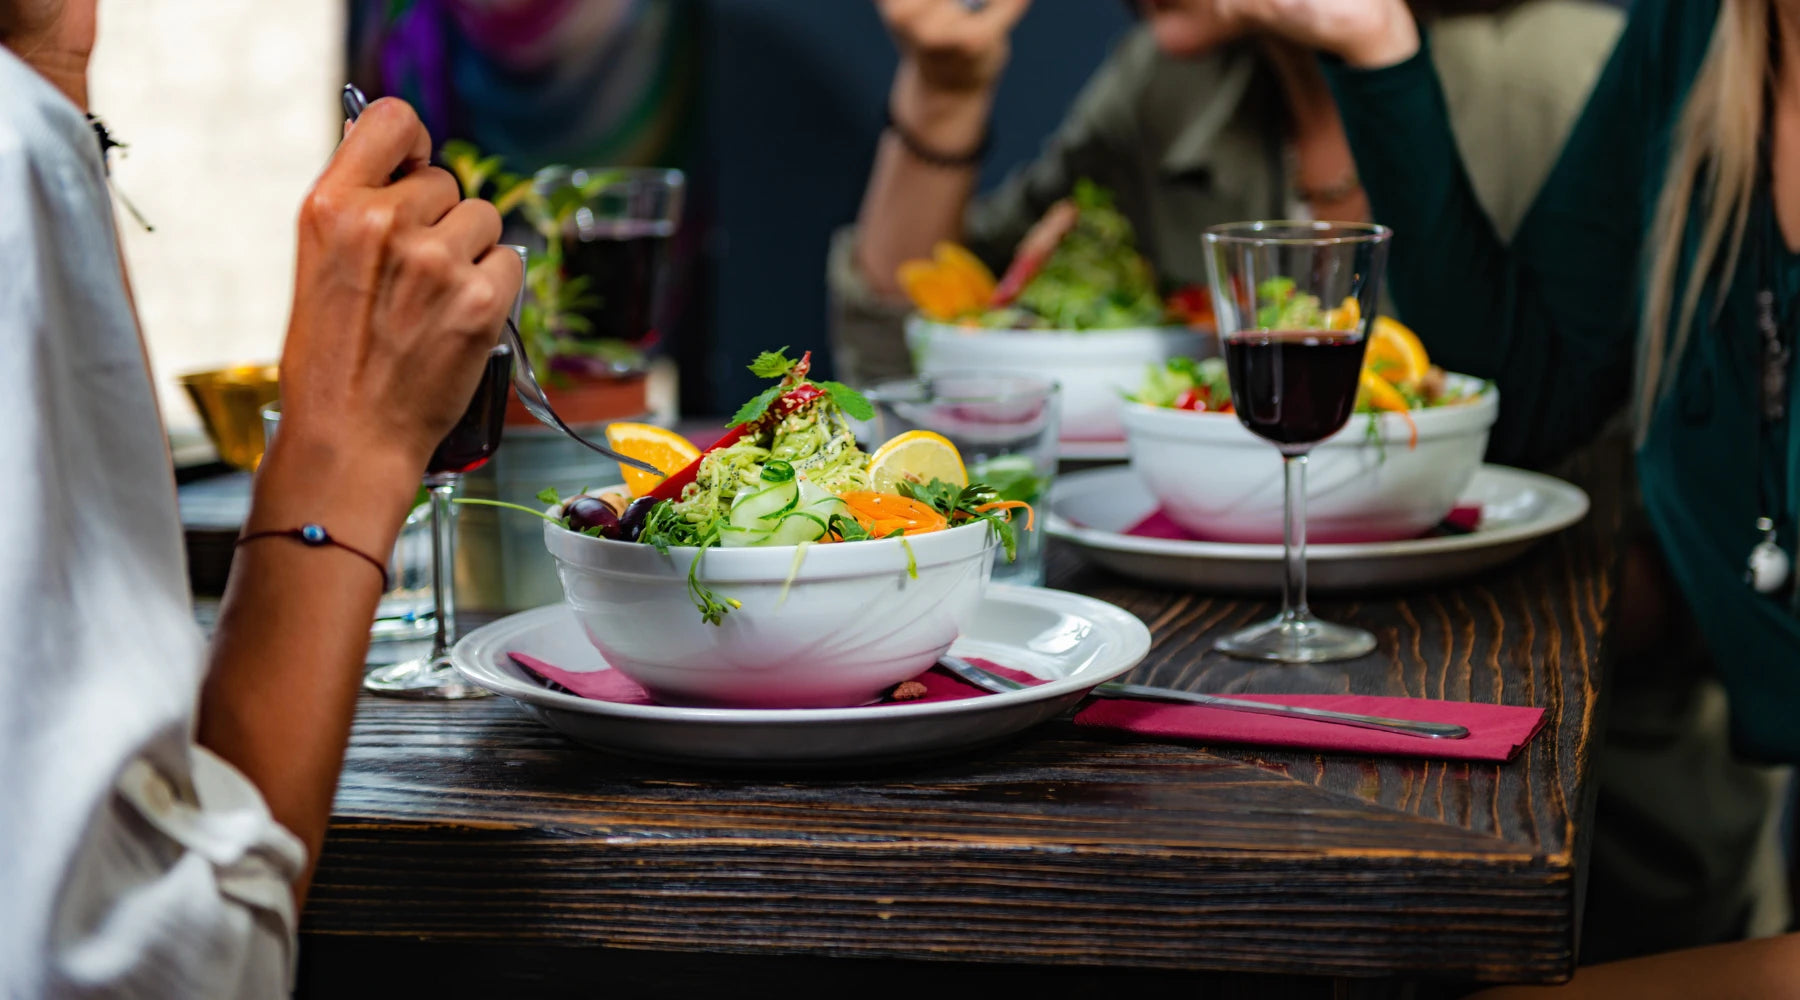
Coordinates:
x,y
315,536
926,154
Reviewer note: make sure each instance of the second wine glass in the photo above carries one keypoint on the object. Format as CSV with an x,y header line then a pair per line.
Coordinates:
x,y
1294,302
467,447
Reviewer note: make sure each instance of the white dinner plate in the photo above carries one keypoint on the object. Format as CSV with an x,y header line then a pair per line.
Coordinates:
x,y
1074,642
1092,510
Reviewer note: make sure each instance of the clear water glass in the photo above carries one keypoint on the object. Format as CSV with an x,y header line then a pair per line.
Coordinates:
x,y
1294,302
1005,425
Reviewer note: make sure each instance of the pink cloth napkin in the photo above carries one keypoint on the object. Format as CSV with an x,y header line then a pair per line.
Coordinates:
x,y
610,685
1496,732
1460,521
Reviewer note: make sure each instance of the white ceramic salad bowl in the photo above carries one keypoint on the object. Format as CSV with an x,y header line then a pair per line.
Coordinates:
x,y
833,626
1094,367
1221,482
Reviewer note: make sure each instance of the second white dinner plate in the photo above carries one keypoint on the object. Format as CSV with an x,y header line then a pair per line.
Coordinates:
x,y
1094,510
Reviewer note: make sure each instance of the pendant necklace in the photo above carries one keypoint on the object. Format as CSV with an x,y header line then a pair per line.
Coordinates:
x,y
1769,566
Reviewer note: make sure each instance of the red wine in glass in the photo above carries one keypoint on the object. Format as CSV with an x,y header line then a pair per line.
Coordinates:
x,y
476,435
1293,388
622,261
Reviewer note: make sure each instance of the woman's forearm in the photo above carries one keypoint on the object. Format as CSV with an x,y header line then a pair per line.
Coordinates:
x,y
293,632
911,204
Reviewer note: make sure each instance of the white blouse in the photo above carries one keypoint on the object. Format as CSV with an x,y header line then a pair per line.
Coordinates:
x,y
133,863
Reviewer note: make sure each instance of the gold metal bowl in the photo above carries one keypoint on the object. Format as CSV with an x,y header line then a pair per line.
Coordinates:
x,y
231,401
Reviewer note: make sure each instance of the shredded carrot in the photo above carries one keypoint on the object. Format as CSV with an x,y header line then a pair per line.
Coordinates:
x,y
881,514
1030,515
1413,428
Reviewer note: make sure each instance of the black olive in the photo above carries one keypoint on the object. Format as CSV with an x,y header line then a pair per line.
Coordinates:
x,y
632,524
586,513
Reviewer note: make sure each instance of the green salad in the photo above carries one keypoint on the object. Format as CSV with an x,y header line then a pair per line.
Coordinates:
x,y
1078,268
1095,278
789,472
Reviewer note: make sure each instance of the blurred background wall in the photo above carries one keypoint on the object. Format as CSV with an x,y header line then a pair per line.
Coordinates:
x,y
229,107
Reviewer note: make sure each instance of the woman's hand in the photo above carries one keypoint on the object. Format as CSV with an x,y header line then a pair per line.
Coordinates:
x,y
1364,33
399,295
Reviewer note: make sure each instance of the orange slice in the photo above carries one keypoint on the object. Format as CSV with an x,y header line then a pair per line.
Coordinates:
x,y
971,274
1395,353
659,446
1381,394
1345,316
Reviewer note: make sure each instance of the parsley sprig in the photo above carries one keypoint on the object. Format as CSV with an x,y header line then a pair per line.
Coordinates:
x,y
792,373
961,504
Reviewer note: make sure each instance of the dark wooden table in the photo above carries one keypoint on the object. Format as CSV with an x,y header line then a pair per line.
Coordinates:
x,y
473,850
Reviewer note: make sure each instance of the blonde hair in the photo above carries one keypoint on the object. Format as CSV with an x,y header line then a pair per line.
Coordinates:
x,y
1715,151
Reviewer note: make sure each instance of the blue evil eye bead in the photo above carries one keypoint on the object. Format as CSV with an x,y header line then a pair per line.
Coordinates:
x,y
313,534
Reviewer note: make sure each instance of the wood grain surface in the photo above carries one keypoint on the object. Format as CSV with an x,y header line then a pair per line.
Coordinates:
x,y
468,824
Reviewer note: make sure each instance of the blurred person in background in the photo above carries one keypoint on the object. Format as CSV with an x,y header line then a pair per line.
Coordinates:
x,y
166,803
1202,117
1217,126
1655,274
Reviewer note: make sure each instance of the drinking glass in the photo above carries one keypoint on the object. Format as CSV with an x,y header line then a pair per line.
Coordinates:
x,y
616,241
1005,426
468,446
1294,301
404,614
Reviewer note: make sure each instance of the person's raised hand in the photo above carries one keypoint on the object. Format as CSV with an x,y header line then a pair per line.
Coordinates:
x,y
951,46
400,292
1364,33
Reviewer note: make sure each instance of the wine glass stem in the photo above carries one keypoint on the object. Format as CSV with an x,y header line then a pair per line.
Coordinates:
x,y
1293,539
443,562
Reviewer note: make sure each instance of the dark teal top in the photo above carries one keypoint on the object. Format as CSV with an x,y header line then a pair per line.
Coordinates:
x,y
1553,320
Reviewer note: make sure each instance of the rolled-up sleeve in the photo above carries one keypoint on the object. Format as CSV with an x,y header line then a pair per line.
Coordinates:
x,y
181,889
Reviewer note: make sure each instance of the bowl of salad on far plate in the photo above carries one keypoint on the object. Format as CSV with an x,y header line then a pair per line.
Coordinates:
x,y
783,567
1078,304
1395,470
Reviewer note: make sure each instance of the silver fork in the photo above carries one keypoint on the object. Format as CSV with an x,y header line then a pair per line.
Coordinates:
x,y
525,385
524,380
990,681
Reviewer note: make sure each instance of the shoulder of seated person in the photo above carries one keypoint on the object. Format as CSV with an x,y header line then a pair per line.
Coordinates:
x,y
36,122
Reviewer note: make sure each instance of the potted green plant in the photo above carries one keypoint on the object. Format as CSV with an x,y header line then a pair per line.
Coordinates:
x,y
589,379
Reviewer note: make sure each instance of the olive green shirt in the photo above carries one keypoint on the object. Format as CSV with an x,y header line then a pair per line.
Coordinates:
x,y
1189,143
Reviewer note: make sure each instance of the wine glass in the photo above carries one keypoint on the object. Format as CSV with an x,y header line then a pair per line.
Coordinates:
x,y
1294,301
467,447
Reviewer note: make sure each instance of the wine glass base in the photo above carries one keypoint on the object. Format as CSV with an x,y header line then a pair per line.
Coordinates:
x,y
1298,640
424,679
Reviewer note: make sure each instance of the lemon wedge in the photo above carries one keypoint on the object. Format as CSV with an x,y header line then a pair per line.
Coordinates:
x,y
917,456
